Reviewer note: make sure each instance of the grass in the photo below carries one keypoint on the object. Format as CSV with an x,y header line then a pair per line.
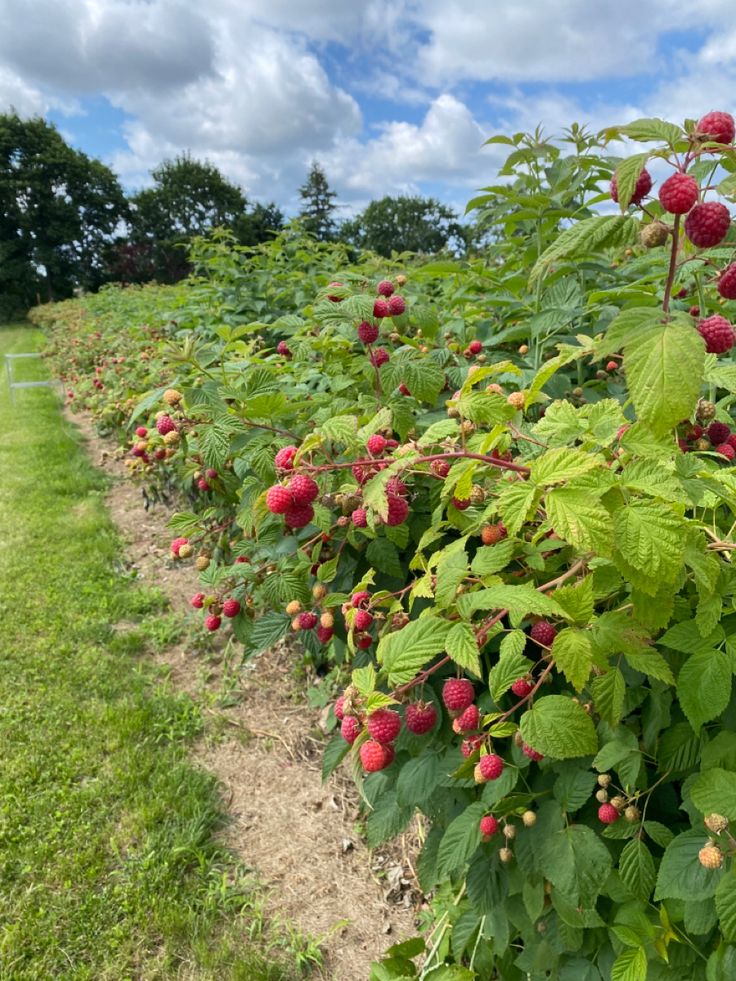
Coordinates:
x,y
109,867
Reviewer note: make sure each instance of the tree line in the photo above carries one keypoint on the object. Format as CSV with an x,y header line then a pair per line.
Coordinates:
x,y
66,222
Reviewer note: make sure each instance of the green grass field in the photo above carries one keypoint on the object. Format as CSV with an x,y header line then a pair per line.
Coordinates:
x,y
108,864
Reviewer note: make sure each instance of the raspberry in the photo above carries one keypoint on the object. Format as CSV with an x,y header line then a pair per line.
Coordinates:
x,y
381,309
363,620
165,425
694,311
197,601
726,284
678,194
732,440
339,713
278,499
376,444
475,347
350,729
396,305
532,753
397,487
707,224
177,544
608,814
521,688
717,333
612,366
403,389
359,517
367,332
717,126
725,449
468,720
491,766
283,348
385,287
324,634
307,621
142,432
363,642
420,717
543,633
457,694
362,596
379,357
718,432
695,432
375,756
715,823
212,622
461,505
710,857
299,515
332,297
488,827
440,468
303,489
471,745
231,607
492,534
398,510
284,459
203,485
384,725
643,187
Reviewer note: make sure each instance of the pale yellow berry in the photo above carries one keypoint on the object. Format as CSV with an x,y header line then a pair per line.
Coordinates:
x,y
506,855
710,857
319,591
528,819
632,814
172,397
516,399
185,551
715,823
202,562
293,607
327,620
509,831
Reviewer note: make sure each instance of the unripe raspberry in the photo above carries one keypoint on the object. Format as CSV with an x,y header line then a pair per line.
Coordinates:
x,y
284,459
367,332
385,287
375,756
654,234
694,311
327,620
231,608
642,188
379,357
403,390
509,832
492,534
203,484
338,709
705,410
185,551
488,827
212,622
717,333
303,490
726,450
717,126
359,598
632,814
726,284
319,591
710,857
307,621
475,347
543,633
398,511
384,725
396,305
601,796
278,499
457,694
521,687
359,517
363,620
293,607
197,601
608,814
172,397
506,855
468,720
707,224
380,309
440,468
298,515
490,766
471,745
376,444
529,819
177,544
618,802
531,753
420,717
349,729
516,399
400,280
165,425
715,823
679,193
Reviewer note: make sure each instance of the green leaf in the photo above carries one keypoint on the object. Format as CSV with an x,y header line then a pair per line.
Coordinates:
x,y
573,655
485,408
585,237
580,520
460,840
681,876
636,867
726,907
714,792
340,429
559,465
559,728
383,556
627,174
268,629
664,368
452,568
609,691
576,862
577,600
649,539
335,752
418,779
510,666
462,647
516,502
704,686
387,819
406,651
647,130
630,965
374,493
490,559
650,663
518,600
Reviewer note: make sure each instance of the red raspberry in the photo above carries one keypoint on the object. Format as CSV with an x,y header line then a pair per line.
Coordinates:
x,y
717,126
299,515
338,710
612,366
543,633
726,284
398,510
420,717
197,601
725,449
279,499
307,621
643,187
694,311
212,622
350,729
684,445
396,305
284,459
469,746
521,688
392,444
364,471
211,474
608,814
718,432
303,489
367,332
283,348
379,357
396,486
461,505
468,720
384,725
332,297
376,444
363,642
324,634
491,766
488,827
457,694
363,620
240,559
357,599
678,194
440,468
203,484
695,432
732,440
385,287
403,390
177,544
231,607
165,425
381,309
160,454
142,432
359,517
375,756
529,751
707,224
475,347
717,333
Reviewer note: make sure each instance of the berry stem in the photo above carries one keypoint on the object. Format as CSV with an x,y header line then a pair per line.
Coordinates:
x,y
673,264
461,454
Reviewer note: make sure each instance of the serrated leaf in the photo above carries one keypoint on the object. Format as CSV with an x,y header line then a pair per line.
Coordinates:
x,y
510,666
576,862
627,174
490,559
714,792
573,655
577,519
518,600
681,876
462,647
334,753
374,493
267,629
340,429
559,465
438,432
407,651
630,965
650,663
516,502
704,686
381,420
726,907
559,728
648,130
460,840
587,236
649,539
452,568
636,867
383,556
609,691
577,600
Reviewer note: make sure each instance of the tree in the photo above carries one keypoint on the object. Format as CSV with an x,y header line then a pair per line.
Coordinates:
x,y
405,224
318,205
59,210
259,224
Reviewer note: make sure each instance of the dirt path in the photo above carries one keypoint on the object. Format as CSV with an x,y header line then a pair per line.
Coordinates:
x,y
300,835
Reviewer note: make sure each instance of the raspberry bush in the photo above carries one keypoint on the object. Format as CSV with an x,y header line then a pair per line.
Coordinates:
x,y
517,556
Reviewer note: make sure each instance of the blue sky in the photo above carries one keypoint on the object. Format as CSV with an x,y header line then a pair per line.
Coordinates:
x,y
391,97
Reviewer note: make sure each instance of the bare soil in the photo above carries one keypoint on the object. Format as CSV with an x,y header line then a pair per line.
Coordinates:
x,y
301,836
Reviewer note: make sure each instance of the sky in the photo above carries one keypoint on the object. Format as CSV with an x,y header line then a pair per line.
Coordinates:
x,y
390,96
